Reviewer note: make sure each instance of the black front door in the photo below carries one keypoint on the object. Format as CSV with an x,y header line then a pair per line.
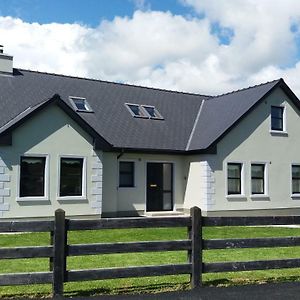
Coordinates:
x,y
159,186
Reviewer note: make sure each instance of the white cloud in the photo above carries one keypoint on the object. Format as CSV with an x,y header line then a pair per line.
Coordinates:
x,y
141,4
51,47
168,51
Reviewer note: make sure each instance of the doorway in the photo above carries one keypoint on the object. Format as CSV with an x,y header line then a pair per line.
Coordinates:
x,y
159,187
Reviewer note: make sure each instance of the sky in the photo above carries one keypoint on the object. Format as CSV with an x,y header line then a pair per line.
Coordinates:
x,y
201,46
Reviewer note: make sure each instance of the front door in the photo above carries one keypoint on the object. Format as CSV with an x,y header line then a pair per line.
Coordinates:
x,y
159,187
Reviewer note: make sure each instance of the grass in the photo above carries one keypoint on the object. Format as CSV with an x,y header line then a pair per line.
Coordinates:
x,y
148,284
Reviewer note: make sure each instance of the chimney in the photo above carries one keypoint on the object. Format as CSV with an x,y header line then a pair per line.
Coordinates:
x,y
6,63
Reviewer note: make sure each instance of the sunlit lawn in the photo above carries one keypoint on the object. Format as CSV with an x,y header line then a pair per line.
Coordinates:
x,y
148,284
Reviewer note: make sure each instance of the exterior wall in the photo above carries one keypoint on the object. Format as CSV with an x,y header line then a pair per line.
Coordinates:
x,y
130,201
252,141
51,132
200,188
199,180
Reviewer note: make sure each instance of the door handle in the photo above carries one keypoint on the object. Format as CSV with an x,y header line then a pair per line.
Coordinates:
x,y
153,185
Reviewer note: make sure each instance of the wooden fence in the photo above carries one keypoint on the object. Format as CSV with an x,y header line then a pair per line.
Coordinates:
x,y
59,249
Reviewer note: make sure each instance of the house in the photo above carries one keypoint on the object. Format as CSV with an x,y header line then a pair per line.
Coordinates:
x,y
97,148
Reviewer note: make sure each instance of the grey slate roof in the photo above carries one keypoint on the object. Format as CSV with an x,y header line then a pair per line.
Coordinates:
x,y
184,127
219,113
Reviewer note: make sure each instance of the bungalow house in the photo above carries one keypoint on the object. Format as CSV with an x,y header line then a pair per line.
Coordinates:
x,y
97,148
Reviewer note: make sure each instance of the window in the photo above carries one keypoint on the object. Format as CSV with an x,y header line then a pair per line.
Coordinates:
x,y
32,176
234,179
144,111
152,112
295,179
136,110
126,174
257,179
71,176
277,115
80,104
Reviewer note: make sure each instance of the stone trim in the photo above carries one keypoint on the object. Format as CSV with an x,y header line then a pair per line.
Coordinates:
x,y
96,182
4,189
207,185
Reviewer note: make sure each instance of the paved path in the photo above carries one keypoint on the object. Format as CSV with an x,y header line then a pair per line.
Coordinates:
x,y
250,292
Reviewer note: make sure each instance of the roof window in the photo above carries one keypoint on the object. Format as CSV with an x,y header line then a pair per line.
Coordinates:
x,y
152,112
136,110
80,104
144,111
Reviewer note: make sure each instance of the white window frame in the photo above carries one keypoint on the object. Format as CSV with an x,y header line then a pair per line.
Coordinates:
x,y
134,173
84,182
266,179
296,195
235,196
284,127
46,179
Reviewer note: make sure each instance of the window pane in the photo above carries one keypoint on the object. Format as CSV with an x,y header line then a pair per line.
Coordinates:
x,y
167,201
126,180
296,186
126,166
296,171
167,177
71,176
80,104
234,186
277,112
135,109
277,124
257,171
150,111
126,174
234,170
257,186
32,176
277,118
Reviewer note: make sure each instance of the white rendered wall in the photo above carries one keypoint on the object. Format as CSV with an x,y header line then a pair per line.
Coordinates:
x,y
251,141
51,132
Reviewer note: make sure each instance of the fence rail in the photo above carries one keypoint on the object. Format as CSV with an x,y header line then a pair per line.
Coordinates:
x,y
195,244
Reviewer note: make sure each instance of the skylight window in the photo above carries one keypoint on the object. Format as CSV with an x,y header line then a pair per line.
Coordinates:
x,y
136,110
152,112
144,111
80,104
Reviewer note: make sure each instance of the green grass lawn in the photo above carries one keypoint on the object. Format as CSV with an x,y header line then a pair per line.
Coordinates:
x,y
148,284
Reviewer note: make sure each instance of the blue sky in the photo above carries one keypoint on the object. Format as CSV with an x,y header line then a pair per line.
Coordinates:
x,y
205,46
89,12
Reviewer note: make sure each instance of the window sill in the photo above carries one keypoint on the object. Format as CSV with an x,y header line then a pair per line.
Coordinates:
x,y
236,198
295,196
31,199
260,197
71,198
278,133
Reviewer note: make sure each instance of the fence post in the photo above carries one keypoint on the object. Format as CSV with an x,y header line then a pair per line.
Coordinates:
x,y
51,243
59,259
195,255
